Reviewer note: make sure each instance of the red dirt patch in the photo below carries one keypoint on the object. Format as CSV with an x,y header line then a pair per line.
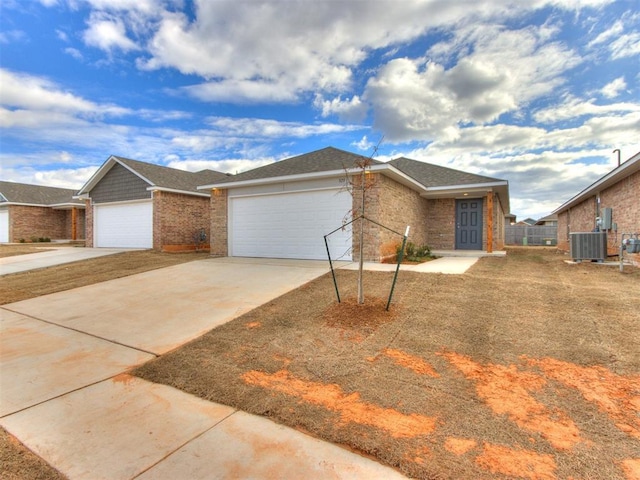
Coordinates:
x,y
517,463
123,378
459,446
413,363
350,407
631,469
506,391
616,395
252,325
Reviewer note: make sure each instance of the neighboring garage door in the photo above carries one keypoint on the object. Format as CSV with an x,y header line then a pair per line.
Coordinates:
x,y
290,225
4,226
123,225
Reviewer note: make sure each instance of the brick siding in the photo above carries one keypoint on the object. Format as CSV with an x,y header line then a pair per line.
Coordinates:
x,y
177,219
622,198
27,222
88,221
219,246
441,223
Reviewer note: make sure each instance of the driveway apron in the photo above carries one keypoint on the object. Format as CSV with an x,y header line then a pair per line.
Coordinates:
x,y
66,396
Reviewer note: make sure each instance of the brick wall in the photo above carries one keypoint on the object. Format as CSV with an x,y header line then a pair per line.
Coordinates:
x,y
400,206
219,246
88,221
177,218
28,222
622,198
441,223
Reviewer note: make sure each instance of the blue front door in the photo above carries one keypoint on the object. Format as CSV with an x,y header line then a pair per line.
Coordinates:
x,y
469,224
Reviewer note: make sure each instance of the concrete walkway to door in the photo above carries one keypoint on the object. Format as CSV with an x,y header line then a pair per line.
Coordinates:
x,y
67,397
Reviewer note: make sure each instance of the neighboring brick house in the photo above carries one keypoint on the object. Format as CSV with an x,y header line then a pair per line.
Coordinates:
x,y
284,210
619,190
31,212
133,204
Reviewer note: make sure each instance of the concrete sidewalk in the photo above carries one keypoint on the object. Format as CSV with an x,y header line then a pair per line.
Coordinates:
x,y
446,265
67,397
52,256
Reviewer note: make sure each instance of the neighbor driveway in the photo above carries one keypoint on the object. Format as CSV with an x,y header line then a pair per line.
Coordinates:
x,y
51,255
66,396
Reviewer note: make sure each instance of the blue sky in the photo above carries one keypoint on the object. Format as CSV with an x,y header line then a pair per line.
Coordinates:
x,y
539,93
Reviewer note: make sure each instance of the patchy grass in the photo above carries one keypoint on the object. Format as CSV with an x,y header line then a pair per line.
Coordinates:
x,y
19,463
524,367
35,283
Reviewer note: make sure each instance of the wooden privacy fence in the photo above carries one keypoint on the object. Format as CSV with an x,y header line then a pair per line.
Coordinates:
x,y
530,235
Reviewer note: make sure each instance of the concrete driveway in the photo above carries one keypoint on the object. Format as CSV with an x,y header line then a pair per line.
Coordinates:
x,y
51,256
66,395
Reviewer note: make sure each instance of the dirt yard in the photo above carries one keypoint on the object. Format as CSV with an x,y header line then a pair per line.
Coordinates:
x,y
525,367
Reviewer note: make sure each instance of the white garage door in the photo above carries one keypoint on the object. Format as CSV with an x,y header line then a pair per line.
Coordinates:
x,y
4,226
123,225
290,225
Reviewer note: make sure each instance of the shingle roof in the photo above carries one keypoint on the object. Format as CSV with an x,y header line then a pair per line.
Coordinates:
x,y
436,176
324,160
36,194
167,177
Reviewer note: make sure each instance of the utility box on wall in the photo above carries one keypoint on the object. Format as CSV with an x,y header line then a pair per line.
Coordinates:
x,y
606,219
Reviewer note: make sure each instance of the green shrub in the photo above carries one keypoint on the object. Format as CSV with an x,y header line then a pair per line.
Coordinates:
x,y
415,254
22,240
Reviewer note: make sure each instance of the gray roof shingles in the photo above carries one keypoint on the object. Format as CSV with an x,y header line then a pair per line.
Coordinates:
x,y
324,160
37,194
431,175
167,177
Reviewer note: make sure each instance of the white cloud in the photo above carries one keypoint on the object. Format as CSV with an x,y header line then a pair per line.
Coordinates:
x,y
11,36
573,107
74,52
417,99
245,91
265,128
351,110
627,45
108,33
31,94
613,88
612,32
232,166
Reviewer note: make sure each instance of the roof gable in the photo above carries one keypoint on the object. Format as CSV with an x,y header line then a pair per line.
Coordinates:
x,y
157,176
27,194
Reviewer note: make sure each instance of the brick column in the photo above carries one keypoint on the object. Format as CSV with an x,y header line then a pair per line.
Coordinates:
x,y
219,223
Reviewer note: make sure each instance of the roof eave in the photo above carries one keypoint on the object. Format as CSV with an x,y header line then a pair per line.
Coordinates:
x,y
384,168
614,176
155,188
64,205
501,188
67,206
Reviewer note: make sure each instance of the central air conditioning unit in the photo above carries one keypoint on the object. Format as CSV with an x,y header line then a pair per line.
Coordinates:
x,y
588,246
